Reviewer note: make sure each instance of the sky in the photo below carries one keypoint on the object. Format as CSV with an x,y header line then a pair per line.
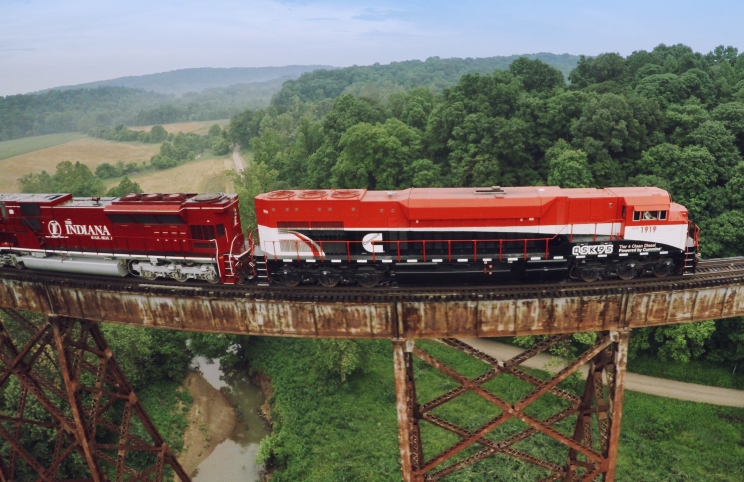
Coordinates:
x,y
48,43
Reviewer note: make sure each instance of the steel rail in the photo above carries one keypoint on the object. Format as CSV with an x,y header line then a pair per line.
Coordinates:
x,y
709,273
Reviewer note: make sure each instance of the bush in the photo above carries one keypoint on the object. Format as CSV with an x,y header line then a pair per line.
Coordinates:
x,y
107,171
161,162
220,146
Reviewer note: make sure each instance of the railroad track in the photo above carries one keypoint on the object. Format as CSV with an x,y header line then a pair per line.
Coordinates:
x,y
712,272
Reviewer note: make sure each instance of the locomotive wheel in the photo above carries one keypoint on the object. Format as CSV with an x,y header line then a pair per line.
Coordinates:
x,y
149,275
663,269
627,272
290,278
212,277
589,274
367,278
180,277
328,279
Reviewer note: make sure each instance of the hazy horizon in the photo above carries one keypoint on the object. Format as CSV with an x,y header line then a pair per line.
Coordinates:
x,y
45,44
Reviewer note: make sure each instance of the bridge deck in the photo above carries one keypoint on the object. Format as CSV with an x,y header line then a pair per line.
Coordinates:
x,y
384,313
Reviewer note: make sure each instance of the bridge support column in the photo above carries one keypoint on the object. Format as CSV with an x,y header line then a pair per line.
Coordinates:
x,y
581,417
79,400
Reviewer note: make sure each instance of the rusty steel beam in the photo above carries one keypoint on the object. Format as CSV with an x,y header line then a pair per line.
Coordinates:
x,y
80,349
588,456
411,454
573,308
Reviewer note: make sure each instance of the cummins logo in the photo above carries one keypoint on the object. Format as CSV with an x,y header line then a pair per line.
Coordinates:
x,y
592,249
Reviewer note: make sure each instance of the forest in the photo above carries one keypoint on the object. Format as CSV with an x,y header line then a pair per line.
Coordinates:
x,y
671,118
147,100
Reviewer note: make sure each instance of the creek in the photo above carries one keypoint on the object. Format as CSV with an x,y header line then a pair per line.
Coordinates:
x,y
234,458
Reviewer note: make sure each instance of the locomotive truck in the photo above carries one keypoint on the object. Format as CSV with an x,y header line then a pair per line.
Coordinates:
x,y
356,236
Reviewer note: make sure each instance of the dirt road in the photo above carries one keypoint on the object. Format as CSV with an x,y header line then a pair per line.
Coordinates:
x,y
238,159
633,381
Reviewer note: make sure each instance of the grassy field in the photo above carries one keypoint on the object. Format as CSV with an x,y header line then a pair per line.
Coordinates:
x,y
696,371
200,128
87,150
202,175
327,431
25,145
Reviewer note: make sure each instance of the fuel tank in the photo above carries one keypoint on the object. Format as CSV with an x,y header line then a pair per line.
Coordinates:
x,y
80,265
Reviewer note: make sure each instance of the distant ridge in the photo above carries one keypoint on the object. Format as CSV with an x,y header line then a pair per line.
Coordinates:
x,y
180,81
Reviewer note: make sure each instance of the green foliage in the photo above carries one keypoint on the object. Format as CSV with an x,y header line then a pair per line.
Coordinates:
x,y
536,76
124,187
148,355
376,156
349,432
248,184
683,342
568,167
73,178
338,357
434,72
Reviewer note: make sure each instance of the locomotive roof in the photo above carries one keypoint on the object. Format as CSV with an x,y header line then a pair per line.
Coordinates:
x,y
471,197
41,198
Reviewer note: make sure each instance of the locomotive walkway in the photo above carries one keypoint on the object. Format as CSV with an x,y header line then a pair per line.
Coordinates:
x,y
635,382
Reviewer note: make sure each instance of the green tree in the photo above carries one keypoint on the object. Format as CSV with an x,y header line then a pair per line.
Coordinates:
x,y
248,184
124,187
106,171
339,357
214,131
536,76
220,146
41,182
613,130
158,134
76,179
683,342
376,156
568,167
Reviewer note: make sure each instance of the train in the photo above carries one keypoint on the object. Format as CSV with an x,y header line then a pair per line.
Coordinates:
x,y
333,237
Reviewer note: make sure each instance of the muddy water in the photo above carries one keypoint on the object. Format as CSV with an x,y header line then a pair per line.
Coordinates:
x,y
234,458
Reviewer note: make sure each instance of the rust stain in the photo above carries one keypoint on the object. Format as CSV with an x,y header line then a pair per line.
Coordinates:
x,y
426,318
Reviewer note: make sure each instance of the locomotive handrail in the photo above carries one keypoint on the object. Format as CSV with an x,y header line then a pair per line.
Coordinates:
x,y
423,242
115,246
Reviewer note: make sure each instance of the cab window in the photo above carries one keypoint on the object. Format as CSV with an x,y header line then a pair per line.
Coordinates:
x,y
649,215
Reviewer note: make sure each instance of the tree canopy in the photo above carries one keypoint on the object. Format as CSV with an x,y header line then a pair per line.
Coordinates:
x,y
669,117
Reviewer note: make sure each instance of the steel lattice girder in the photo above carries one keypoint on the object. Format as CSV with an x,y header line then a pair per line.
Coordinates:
x,y
88,401
599,410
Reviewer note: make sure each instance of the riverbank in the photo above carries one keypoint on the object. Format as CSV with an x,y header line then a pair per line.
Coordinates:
x,y
211,421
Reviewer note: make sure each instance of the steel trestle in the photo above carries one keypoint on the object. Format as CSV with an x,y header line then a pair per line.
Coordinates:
x,y
81,400
591,448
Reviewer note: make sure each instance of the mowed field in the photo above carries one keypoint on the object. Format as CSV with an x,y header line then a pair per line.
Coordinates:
x,y
87,150
207,175
16,147
200,127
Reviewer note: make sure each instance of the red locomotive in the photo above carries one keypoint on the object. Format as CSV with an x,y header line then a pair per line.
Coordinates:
x,y
178,236
356,236
368,237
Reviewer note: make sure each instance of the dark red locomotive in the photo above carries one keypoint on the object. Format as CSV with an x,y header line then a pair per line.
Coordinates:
x,y
178,236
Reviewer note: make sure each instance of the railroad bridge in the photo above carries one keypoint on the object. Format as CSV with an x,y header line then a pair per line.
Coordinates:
x,y
86,394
